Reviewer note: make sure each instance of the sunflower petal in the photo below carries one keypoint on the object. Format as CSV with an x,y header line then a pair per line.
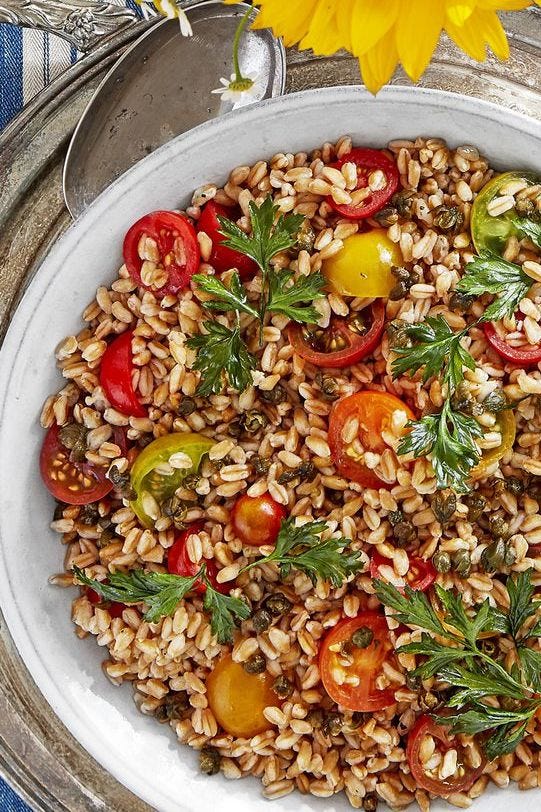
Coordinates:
x,y
458,11
378,65
484,28
290,21
503,5
370,21
418,29
323,36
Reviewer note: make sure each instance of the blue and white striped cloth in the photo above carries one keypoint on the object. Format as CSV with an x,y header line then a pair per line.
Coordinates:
x,y
29,60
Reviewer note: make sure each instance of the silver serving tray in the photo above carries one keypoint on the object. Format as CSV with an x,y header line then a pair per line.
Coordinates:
x,y
37,754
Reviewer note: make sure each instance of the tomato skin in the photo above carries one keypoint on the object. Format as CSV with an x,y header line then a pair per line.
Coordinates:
x,y
115,377
442,787
420,577
114,608
237,699
257,519
223,258
525,356
508,429
491,233
366,161
156,453
359,345
374,411
177,245
363,266
367,664
178,562
70,490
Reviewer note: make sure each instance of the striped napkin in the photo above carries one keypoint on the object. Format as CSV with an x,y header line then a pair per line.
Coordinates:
x,y
29,60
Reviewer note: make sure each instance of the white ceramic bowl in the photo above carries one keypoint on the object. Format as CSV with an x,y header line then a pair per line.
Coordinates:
x,y
141,754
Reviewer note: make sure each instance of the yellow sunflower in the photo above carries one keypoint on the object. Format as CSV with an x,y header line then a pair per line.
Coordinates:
x,y
382,33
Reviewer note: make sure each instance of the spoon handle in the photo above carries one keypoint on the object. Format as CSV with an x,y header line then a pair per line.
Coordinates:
x,y
81,22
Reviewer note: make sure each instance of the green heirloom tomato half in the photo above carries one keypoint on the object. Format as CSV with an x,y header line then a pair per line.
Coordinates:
x,y
491,233
145,479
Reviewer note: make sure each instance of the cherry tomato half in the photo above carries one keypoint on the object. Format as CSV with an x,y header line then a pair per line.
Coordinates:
x,y
420,576
75,483
238,699
368,162
116,377
525,356
179,563
464,776
177,246
507,427
374,411
223,258
256,519
146,480
339,345
360,692
491,233
114,608
363,266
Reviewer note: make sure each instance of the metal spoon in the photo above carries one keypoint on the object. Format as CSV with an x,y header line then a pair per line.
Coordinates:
x,y
161,87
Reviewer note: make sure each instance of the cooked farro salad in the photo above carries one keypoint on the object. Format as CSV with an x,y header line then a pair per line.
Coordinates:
x,y
297,467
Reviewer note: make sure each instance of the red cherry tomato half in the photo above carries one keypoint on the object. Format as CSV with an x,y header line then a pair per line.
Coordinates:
x,y
359,693
368,161
114,608
374,411
525,356
352,345
177,247
256,519
116,377
223,258
178,561
75,483
420,576
465,774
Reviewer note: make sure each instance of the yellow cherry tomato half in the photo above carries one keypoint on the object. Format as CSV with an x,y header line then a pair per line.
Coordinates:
x,y
507,426
363,266
238,699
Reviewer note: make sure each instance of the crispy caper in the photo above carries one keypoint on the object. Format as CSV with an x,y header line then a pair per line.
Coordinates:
x,y
89,514
413,681
175,509
332,724
328,385
73,437
173,706
187,406
306,472
277,604
476,504
441,561
460,302
444,507
395,516
495,402
464,401
58,511
276,395
209,760
429,701
358,718
497,555
261,620
108,534
235,427
403,202
525,206
488,647
260,465
122,483
370,802
362,637
254,421
191,481
397,333
256,664
282,687
315,717
448,218
305,237
357,323
514,485
498,527
398,291
461,563
387,216
403,533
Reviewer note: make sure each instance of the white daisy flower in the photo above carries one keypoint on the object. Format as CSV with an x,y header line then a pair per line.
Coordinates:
x,y
246,90
171,10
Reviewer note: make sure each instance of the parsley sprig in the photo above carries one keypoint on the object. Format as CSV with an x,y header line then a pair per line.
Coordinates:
x,y
301,548
162,594
455,656
448,436
489,273
221,349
